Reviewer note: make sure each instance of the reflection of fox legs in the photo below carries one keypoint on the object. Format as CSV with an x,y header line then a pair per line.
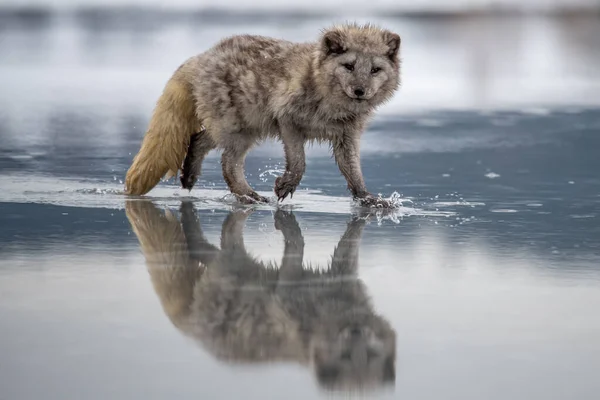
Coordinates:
x,y
177,253
199,248
345,256
232,232
293,252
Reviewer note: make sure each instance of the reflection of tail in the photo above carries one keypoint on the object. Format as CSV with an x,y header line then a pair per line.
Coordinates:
x,y
172,268
167,138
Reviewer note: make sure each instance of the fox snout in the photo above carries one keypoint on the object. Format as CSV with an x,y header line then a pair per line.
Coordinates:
x,y
357,92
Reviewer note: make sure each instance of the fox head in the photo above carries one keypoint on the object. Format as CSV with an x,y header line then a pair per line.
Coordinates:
x,y
358,66
355,350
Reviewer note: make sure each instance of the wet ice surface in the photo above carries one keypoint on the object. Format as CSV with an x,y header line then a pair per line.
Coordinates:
x,y
487,276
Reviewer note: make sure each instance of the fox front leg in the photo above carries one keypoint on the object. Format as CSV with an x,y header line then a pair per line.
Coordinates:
x,y
347,157
293,144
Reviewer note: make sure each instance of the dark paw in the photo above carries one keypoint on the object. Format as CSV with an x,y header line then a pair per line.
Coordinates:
x,y
284,186
188,181
373,202
362,214
252,198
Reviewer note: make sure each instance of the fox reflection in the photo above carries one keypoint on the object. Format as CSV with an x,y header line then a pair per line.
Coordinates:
x,y
246,311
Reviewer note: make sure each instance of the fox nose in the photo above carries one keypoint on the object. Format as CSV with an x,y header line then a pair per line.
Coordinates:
x,y
359,92
355,331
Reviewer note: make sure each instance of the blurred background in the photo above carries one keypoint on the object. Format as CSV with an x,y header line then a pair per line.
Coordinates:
x,y
79,73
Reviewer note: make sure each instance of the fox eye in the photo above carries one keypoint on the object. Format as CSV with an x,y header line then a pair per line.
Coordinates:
x,y
349,67
375,70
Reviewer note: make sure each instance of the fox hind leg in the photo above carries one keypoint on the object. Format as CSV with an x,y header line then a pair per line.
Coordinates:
x,y
201,144
233,160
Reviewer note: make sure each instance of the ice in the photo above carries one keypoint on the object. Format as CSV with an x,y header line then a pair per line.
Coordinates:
x,y
108,194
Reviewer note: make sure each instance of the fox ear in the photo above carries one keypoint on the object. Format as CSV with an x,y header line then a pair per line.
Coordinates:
x,y
393,42
333,43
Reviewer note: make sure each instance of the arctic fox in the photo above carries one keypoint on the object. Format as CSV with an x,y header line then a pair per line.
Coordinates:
x,y
246,311
249,88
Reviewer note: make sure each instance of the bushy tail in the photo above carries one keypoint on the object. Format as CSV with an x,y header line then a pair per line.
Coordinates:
x,y
167,139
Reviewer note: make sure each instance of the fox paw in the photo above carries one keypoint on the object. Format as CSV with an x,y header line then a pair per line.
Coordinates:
x,y
285,186
251,198
188,181
373,202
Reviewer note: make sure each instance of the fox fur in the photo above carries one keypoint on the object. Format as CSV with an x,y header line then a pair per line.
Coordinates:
x,y
245,311
249,88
